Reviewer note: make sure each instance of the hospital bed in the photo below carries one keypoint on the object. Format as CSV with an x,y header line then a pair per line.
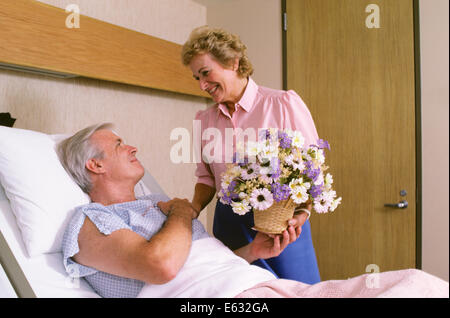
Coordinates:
x,y
41,275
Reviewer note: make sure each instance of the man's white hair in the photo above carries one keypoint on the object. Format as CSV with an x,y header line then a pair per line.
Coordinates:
x,y
75,151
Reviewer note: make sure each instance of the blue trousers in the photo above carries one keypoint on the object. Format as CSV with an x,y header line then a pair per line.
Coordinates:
x,y
297,261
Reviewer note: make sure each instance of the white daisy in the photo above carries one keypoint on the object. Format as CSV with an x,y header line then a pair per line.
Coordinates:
x,y
329,179
251,172
317,155
253,148
243,196
240,208
295,162
299,183
323,202
320,157
319,180
328,182
235,171
226,180
320,207
261,199
306,155
299,195
263,178
268,151
297,139
335,204
328,196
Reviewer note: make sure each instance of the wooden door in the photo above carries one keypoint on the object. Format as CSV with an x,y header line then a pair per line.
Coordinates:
x,y
359,85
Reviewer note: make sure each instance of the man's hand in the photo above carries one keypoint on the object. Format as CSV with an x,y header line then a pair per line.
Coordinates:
x,y
179,207
164,206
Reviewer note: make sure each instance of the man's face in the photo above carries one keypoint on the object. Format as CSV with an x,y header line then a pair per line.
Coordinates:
x,y
119,161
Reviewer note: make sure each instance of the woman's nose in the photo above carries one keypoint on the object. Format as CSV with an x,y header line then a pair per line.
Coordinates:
x,y
203,84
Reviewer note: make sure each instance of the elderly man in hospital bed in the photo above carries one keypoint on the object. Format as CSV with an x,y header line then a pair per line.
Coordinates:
x,y
151,246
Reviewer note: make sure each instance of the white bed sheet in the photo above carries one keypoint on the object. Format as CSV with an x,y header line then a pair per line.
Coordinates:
x,y
45,273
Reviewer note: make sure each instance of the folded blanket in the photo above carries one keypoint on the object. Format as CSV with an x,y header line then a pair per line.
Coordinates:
x,y
409,283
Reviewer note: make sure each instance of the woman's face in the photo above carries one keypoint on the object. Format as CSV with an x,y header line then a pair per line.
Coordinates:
x,y
215,79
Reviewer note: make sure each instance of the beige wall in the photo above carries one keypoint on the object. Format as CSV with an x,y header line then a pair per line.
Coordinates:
x,y
435,144
144,117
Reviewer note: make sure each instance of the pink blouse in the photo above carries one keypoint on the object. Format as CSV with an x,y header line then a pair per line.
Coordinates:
x,y
259,107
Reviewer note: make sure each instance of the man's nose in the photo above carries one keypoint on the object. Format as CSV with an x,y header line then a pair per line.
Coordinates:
x,y
132,149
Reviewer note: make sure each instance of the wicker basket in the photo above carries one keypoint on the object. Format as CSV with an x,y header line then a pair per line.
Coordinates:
x,y
274,219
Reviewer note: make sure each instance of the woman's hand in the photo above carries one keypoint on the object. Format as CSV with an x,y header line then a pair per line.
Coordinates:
x,y
267,245
300,217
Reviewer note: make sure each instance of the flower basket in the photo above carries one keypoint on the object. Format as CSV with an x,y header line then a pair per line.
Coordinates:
x,y
274,175
274,220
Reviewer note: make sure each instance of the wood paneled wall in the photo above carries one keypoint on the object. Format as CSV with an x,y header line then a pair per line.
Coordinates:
x,y
34,34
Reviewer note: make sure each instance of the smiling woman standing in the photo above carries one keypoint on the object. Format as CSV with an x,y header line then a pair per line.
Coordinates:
x,y
219,62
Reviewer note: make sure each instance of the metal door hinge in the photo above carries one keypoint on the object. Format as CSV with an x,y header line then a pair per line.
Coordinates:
x,y
285,21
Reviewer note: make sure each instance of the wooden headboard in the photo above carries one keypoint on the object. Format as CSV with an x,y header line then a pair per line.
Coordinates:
x,y
34,35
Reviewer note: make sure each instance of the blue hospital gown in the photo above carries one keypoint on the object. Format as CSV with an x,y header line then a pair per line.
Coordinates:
x,y
141,216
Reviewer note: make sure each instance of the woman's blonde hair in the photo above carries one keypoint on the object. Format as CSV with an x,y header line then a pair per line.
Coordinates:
x,y
222,45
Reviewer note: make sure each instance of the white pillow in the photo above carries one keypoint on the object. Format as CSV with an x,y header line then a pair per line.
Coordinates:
x,y
41,193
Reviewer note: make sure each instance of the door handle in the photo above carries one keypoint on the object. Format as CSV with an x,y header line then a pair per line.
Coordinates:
x,y
401,205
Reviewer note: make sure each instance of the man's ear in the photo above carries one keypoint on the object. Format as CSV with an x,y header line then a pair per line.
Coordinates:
x,y
94,166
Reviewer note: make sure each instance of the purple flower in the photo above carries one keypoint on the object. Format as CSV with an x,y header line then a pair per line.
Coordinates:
x,y
231,186
312,173
280,191
230,190
228,195
316,190
276,175
264,134
240,161
225,197
285,141
275,169
321,143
